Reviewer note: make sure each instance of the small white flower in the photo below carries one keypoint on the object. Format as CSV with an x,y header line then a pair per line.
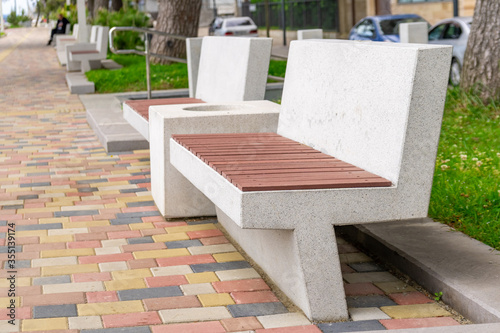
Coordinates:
x,y
444,167
479,163
463,157
474,159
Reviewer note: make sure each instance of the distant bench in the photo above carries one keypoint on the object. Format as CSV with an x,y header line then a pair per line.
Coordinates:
x,y
356,143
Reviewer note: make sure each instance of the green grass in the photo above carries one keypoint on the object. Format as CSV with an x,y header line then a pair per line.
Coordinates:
x,y
466,192
132,77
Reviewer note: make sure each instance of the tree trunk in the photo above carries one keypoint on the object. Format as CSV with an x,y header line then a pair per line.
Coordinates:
x,y
481,62
90,7
178,17
100,4
116,5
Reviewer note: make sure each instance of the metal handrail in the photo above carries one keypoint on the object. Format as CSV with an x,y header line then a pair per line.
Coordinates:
x,y
146,51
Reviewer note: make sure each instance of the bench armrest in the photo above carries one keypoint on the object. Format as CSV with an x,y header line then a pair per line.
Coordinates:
x,y
81,47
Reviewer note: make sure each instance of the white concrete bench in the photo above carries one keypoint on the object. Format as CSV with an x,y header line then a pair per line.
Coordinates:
x,y
229,69
310,34
381,123
59,40
87,56
72,40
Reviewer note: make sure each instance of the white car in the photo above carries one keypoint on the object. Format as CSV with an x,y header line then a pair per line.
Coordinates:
x,y
233,26
455,32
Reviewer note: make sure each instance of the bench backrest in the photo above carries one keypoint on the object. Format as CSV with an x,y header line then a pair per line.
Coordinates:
x,y
102,40
233,69
93,33
75,30
375,105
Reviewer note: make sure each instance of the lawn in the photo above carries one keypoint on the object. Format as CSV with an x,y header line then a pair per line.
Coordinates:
x,y
132,77
465,192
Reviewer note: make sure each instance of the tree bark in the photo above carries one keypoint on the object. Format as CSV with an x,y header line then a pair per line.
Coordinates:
x,y
90,7
177,17
100,4
116,5
482,56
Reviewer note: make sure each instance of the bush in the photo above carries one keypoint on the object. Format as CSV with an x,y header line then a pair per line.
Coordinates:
x,y
15,20
124,18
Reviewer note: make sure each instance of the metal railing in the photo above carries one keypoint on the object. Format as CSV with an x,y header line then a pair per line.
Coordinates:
x,y
147,53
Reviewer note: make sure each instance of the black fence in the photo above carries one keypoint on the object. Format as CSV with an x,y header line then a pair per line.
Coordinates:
x,y
299,14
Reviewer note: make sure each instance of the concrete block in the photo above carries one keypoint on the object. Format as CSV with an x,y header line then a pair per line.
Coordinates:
x,y
326,106
415,32
233,69
173,194
78,84
193,53
310,34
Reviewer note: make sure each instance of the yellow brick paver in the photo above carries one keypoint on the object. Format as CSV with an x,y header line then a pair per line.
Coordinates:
x,y
99,309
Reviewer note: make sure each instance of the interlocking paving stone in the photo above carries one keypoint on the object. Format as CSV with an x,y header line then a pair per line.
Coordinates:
x,y
127,220
52,280
140,203
138,294
415,311
137,214
76,213
256,309
362,267
54,311
183,244
394,287
46,226
393,324
140,240
194,314
5,249
133,190
358,314
352,326
202,222
19,264
220,266
283,320
136,329
369,301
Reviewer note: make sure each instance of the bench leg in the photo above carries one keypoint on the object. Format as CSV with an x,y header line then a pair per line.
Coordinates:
x,y
320,265
304,263
85,66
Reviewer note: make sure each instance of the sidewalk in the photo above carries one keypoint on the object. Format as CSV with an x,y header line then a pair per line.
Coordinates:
x,y
93,254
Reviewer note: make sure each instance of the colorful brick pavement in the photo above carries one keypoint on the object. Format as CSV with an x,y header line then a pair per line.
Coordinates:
x,y
93,254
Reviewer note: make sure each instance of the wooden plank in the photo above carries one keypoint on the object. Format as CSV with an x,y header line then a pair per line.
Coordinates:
x,y
311,185
141,106
268,162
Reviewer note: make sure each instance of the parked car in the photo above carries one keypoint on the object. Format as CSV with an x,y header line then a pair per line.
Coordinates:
x,y
383,28
233,26
453,31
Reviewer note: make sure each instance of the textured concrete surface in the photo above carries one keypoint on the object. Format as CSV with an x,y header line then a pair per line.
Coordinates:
x,y
78,84
310,34
415,32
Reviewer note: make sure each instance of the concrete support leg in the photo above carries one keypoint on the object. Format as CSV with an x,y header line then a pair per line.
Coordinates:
x,y
85,66
304,263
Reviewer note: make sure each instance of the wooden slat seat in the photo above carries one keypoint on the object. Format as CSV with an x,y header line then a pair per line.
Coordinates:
x,y
85,52
141,107
270,162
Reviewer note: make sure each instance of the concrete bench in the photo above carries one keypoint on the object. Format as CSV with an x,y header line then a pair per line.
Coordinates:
x,y
60,40
227,70
378,125
87,56
72,40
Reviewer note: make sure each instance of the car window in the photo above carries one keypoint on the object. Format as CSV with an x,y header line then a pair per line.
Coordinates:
x,y
453,32
238,22
366,29
391,27
437,32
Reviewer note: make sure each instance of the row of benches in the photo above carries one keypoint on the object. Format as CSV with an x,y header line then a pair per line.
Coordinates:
x,y
354,141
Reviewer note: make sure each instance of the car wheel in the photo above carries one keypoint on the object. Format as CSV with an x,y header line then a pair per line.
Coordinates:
x,y
455,73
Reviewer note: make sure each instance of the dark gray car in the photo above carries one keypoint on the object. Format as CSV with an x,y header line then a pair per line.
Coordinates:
x,y
453,31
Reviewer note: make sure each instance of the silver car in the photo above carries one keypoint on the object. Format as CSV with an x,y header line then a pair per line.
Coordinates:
x,y
453,31
233,26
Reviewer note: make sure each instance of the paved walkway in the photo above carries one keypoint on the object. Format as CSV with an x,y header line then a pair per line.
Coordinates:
x,y
93,254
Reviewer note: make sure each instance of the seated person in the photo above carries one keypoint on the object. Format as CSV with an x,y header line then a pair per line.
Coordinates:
x,y
60,28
